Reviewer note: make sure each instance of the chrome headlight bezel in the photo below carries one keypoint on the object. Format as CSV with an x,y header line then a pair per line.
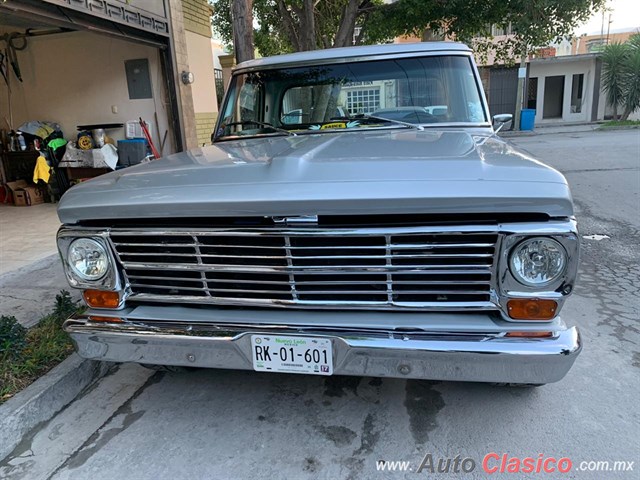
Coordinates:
x,y
519,277
109,280
506,286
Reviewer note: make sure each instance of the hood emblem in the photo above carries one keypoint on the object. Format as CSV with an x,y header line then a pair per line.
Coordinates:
x,y
301,220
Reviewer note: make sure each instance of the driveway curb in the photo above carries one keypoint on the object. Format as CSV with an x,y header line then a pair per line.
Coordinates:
x,y
41,400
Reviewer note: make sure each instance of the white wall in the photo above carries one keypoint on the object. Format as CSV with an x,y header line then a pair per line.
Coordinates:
x,y
568,69
75,78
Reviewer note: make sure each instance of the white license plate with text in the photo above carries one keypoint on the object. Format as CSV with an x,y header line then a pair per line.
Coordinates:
x,y
285,354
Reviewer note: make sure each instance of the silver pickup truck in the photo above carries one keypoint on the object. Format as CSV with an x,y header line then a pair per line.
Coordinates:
x,y
356,214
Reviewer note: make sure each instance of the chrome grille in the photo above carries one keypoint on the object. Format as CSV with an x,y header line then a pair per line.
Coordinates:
x,y
369,268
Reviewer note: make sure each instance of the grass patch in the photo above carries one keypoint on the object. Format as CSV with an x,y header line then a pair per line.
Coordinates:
x,y
27,354
620,123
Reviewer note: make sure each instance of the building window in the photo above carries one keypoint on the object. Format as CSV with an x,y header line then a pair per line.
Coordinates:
x,y
595,45
577,86
532,93
363,101
500,30
356,34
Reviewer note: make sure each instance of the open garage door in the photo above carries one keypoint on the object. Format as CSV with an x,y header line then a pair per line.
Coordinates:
x,y
144,26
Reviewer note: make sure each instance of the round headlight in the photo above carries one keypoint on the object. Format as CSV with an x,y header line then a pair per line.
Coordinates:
x,y
88,259
538,261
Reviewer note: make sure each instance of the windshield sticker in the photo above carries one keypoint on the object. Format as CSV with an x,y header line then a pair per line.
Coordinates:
x,y
327,126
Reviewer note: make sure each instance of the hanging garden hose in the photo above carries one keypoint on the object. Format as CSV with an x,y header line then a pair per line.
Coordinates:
x,y
12,48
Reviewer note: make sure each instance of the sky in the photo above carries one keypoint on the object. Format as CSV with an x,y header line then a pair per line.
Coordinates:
x,y
625,14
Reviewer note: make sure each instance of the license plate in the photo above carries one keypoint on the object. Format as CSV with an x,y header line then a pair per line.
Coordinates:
x,y
284,354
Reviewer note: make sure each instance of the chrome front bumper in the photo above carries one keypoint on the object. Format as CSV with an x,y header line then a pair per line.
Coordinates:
x,y
438,355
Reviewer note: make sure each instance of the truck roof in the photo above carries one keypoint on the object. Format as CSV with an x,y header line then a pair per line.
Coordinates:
x,y
350,53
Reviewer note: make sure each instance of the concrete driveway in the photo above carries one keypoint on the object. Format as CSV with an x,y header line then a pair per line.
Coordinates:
x,y
226,424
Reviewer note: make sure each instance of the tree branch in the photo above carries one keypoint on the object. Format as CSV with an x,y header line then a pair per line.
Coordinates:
x,y
344,37
289,24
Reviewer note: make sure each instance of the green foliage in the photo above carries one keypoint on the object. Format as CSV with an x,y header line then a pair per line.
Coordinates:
x,y
13,337
64,305
620,123
33,352
621,75
632,77
536,23
614,57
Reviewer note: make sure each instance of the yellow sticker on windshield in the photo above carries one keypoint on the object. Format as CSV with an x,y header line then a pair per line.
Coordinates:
x,y
333,125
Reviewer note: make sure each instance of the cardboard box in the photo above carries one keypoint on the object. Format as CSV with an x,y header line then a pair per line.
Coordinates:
x,y
25,194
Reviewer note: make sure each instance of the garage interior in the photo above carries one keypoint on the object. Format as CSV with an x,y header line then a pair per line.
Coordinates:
x,y
73,88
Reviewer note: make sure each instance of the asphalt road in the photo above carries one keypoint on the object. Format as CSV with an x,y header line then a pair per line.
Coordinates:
x,y
227,424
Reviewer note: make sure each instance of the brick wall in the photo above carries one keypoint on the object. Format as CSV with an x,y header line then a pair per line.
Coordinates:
x,y
197,16
205,122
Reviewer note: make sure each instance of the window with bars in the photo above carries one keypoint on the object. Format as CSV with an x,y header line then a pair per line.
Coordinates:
x,y
364,101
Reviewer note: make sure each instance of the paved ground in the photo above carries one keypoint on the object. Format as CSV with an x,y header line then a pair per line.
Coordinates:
x,y
30,272
27,234
223,424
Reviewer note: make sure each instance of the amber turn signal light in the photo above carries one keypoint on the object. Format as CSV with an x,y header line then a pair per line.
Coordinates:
x,y
531,309
101,299
95,318
529,334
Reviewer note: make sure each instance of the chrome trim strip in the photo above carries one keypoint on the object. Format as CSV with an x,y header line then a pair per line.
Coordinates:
x,y
318,269
312,232
315,304
309,257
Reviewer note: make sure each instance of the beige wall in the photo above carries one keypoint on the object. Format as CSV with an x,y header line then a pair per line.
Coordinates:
x,y
75,78
200,55
582,44
203,88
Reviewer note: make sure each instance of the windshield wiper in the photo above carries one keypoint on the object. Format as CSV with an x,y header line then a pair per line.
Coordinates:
x,y
399,122
262,124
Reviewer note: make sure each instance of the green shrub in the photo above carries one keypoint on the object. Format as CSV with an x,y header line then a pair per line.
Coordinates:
x,y
13,337
26,354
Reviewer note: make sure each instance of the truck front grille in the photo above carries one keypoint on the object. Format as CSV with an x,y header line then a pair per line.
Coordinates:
x,y
368,268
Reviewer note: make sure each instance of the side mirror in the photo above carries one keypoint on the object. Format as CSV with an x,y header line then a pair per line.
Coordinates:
x,y
501,119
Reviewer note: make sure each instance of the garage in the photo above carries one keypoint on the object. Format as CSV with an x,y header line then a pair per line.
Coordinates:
x,y
84,73
76,77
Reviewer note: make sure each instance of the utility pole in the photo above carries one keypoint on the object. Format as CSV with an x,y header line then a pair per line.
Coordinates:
x,y
242,19
521,76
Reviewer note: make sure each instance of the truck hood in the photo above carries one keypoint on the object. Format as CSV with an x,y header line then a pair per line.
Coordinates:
x,y
359,172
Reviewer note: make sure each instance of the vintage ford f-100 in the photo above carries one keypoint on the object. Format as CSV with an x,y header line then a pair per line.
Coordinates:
x,y
356,214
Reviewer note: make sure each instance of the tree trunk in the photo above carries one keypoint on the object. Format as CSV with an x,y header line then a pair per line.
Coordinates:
x,y
242,17
615,111
344,37
625,114
308,25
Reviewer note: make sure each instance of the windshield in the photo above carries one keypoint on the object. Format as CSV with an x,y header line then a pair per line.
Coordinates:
x,y
426,91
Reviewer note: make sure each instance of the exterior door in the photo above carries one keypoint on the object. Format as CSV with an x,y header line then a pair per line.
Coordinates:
x,y
553,96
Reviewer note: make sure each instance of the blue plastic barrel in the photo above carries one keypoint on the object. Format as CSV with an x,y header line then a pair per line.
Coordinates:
x,y
527,119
